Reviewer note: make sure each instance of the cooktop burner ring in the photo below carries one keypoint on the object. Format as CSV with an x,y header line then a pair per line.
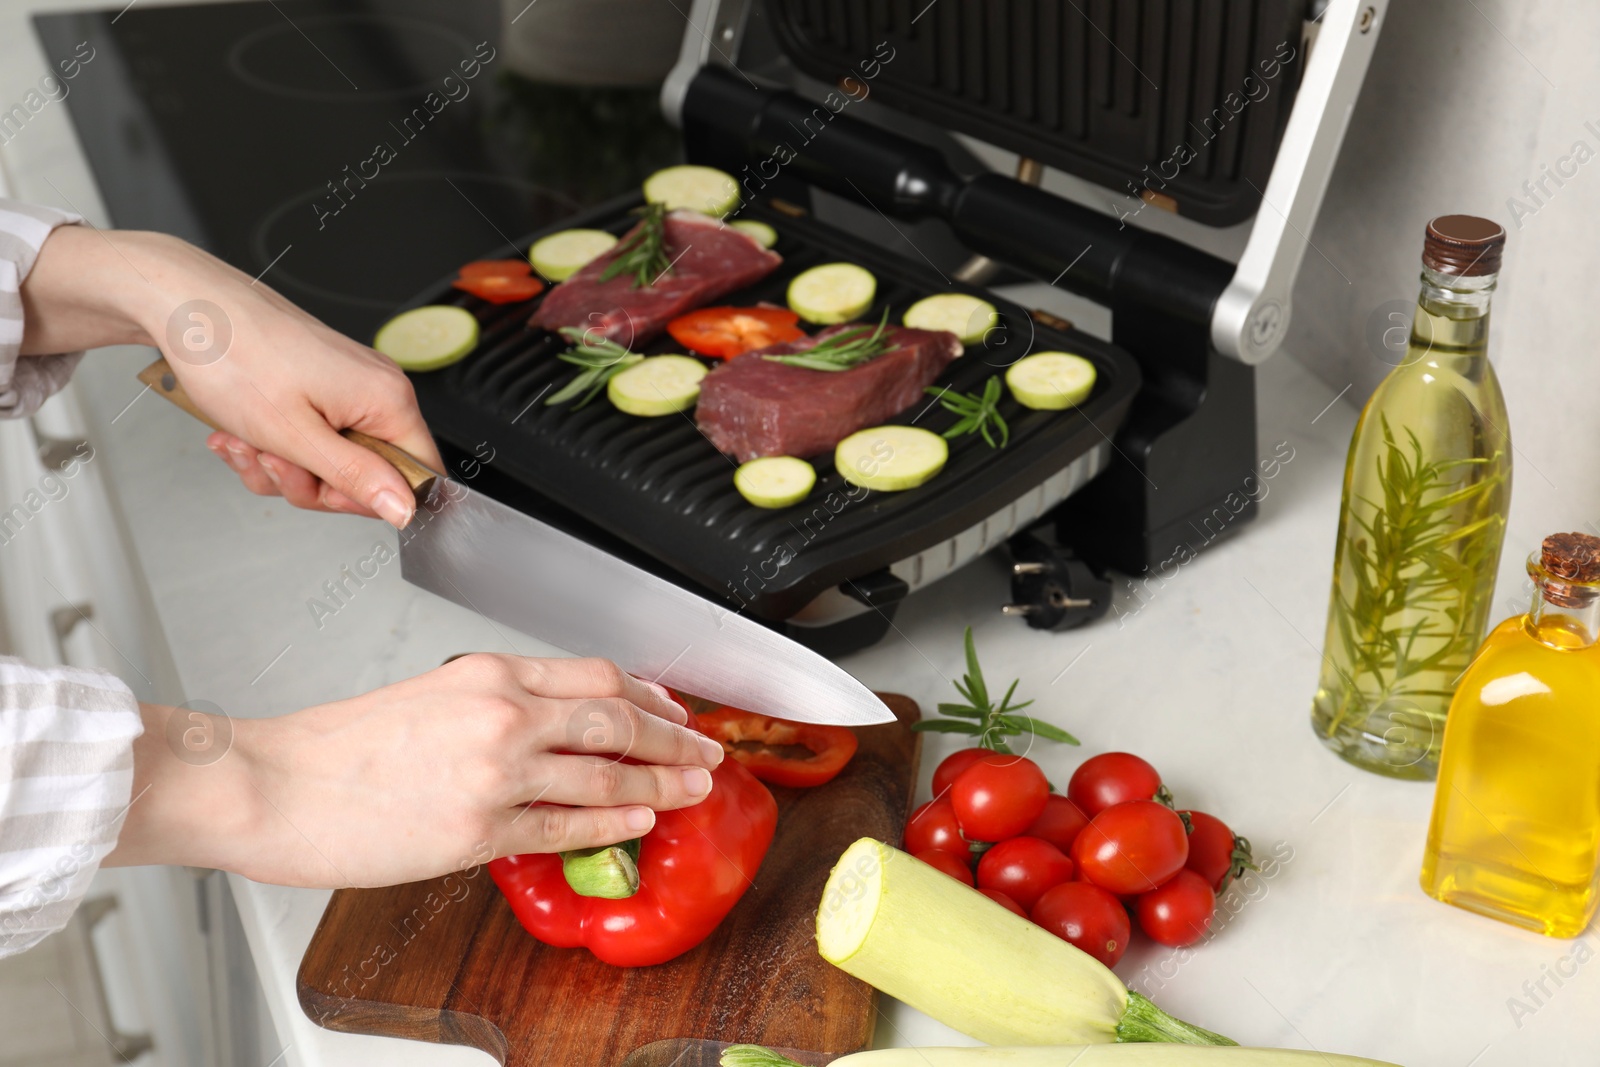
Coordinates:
x,y
285,248
422,33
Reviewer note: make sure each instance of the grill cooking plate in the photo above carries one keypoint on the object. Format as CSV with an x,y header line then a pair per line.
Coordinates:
x,y
661,487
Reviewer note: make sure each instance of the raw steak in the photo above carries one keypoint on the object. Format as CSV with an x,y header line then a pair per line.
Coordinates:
x,y
708,259
752,407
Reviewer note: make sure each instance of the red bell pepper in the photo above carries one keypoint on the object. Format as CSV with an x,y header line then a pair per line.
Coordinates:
x,y
780,751
499,281
725,332
690,871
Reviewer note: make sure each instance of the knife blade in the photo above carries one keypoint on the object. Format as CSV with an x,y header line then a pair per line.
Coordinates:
x,y
515,570
512,568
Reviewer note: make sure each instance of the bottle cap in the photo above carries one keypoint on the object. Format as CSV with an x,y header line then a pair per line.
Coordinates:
x,y
1569,569
1464,245
1574,557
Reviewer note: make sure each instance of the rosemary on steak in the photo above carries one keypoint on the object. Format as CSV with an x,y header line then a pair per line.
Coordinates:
x,y
979,414
843,350
643,253
597,359
981,717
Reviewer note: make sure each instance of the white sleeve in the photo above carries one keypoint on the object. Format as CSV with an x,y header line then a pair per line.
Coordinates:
x,y
26,383
66,780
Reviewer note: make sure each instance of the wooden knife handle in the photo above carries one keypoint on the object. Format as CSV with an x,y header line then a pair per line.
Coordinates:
x,y
159,377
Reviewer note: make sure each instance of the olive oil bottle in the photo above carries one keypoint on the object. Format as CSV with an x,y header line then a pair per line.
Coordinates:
x,y
1426,488
1516,814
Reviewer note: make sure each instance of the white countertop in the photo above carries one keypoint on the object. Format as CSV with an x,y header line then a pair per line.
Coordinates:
x,y
1208,675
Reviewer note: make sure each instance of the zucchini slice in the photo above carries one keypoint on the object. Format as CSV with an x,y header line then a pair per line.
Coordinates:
x,y
832,293
1051,381
704,189
428,338
965,316
657,385
890,458
775,481
763,235
561,255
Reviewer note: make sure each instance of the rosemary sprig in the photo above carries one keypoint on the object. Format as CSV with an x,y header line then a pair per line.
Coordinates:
x,y
1422,550
643,253
979,414
981,717
843,350
598,360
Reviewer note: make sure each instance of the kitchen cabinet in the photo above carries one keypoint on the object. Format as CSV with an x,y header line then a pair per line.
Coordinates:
x,y
153,970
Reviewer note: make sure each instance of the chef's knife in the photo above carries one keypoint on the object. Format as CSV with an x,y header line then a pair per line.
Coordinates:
x,y
526,574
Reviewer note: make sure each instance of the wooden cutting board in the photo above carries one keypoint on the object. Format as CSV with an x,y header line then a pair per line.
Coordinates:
x,y
445,960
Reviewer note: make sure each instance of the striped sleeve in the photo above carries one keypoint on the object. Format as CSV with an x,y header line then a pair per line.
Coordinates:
x,y
26,383
66,779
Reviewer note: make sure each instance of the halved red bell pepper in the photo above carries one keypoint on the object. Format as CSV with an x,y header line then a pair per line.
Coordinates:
x,y
780,751
725,332
499,281
691,870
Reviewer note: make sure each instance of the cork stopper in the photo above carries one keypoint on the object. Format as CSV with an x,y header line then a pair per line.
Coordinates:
x,y
1463,245
1570,562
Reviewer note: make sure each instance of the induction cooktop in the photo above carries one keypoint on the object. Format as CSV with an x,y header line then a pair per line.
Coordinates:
x,y
349,153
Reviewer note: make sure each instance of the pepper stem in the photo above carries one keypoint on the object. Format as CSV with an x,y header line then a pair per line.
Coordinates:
x,y
753,1056
1143,1021
610,871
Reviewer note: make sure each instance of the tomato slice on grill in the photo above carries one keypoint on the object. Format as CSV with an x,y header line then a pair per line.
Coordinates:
x,y
725,332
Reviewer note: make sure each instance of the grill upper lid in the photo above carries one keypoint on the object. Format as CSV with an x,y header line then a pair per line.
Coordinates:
x,y
1180,105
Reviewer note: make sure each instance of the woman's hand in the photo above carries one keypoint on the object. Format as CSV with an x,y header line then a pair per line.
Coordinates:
x,y
280,383
486,756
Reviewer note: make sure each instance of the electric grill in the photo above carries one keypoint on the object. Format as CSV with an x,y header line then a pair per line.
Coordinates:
x,y
1155,463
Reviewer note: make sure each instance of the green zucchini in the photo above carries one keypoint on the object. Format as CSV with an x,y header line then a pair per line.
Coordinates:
x,y
890,458
756,230
657,385
428,338
704,189
1060,1056
922,937
775,481
1051,381
965,316
561,255
832,293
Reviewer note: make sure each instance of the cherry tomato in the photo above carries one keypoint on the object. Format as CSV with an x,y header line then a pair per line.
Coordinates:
x,y
934,826
1004,901
1059,823
1023,868
1215,854
948,862
998,796
1132,847
1178,912
1111,778
1086,917
950,768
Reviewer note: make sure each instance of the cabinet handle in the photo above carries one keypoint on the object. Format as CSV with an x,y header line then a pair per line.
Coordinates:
x,y
63,621
127,1046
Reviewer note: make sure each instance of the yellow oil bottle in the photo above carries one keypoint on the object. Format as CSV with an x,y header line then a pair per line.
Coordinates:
x,y
1515,833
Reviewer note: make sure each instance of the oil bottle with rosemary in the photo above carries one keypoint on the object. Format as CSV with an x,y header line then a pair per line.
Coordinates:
x,y
1426,488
